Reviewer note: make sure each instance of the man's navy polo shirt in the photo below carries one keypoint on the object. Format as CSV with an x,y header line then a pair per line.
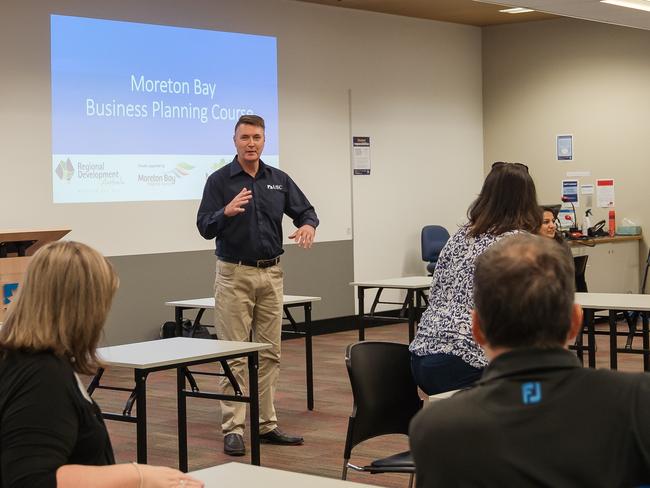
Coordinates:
x,y
255,233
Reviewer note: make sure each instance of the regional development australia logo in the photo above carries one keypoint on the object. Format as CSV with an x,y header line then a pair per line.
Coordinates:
x,y
65,170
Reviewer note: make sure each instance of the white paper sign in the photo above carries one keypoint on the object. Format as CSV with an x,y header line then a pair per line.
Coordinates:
x,y
605,193
361,155
565,147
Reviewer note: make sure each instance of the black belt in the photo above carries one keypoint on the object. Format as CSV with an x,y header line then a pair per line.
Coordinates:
x,y
260,263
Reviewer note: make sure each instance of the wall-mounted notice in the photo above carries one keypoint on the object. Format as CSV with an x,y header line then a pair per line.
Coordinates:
x,y
588,191
577,174
605,193
570,192
565,218
361,155
565,147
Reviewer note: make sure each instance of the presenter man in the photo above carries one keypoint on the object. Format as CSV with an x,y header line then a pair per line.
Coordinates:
x,y
242,206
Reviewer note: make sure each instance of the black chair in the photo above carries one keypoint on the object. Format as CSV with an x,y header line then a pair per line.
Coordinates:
x,y
433,238
385,400
580,264
632,317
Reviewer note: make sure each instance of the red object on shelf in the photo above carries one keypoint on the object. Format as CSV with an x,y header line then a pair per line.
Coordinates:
x,y
612,223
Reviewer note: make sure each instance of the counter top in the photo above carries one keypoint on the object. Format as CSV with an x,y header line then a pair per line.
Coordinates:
x,y
602,240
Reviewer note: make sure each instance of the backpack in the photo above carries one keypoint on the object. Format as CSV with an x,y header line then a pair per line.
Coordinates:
x,y
198,331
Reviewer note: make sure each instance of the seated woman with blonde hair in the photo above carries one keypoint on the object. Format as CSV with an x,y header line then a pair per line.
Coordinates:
x,y
51,432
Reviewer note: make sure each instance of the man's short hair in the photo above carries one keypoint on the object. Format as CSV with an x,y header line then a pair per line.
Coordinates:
x,y
524,289
255,120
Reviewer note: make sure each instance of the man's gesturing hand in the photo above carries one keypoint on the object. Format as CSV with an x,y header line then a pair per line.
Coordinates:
x,y
304,236
236,205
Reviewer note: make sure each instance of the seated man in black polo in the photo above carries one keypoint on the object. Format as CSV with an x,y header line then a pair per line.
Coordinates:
x,y
536,417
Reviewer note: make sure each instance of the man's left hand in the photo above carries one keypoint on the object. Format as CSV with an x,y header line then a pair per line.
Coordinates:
x,y
304,236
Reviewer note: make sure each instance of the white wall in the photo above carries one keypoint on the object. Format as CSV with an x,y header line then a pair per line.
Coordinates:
x,y
423,115
570,76
415,89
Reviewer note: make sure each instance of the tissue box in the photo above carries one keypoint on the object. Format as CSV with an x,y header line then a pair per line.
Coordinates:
x,y
628,230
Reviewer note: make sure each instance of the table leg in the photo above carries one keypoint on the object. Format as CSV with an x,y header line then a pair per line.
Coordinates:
x,y
140,377
178,318
253,393
591,338
360,298
95,381
646,342
418,306
309,357
181,401
411,313
613,357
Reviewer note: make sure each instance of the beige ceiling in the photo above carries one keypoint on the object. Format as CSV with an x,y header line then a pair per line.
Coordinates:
x,y
486,12
459,11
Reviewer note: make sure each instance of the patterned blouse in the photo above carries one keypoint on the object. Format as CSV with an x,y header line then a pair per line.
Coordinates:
x,y
446,324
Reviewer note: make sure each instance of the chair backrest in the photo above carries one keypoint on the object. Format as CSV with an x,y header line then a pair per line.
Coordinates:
x,y
645,273
433,239
580,263
385,394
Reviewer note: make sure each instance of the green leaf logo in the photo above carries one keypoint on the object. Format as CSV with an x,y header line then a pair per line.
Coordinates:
x,y
182,169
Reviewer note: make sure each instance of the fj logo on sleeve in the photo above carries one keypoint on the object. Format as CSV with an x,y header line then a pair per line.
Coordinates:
x,y
274,187
531,392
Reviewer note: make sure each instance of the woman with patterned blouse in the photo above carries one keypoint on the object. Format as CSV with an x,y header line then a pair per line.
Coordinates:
x,y
444,355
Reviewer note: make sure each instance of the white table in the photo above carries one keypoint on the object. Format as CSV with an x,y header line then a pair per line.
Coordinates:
x,y
288,302
415,287
179,353
236,475
615,302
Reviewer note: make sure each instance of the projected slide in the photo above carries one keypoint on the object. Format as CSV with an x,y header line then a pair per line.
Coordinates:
x,y
146,112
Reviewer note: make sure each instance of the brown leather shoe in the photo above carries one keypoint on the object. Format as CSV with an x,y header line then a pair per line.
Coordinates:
x,y
276,436
233,445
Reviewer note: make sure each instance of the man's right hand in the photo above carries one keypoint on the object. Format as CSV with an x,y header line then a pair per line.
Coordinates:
x,y
236,205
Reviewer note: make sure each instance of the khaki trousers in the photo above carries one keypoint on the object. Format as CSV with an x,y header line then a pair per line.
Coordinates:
x,y
249,300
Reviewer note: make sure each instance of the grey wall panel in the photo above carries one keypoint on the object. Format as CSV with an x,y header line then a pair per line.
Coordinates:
x,y
147,281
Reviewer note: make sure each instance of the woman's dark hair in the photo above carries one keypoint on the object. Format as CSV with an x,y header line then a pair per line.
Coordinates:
x,y
555,210
508,201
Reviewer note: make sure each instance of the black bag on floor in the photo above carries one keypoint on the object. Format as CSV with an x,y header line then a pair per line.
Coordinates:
x,y
168,330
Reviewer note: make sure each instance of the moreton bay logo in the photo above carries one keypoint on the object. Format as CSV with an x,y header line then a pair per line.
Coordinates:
x,y
168,177
65,170
182,169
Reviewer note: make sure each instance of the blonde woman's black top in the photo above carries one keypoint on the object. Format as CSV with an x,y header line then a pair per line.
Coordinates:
x,y
45,421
